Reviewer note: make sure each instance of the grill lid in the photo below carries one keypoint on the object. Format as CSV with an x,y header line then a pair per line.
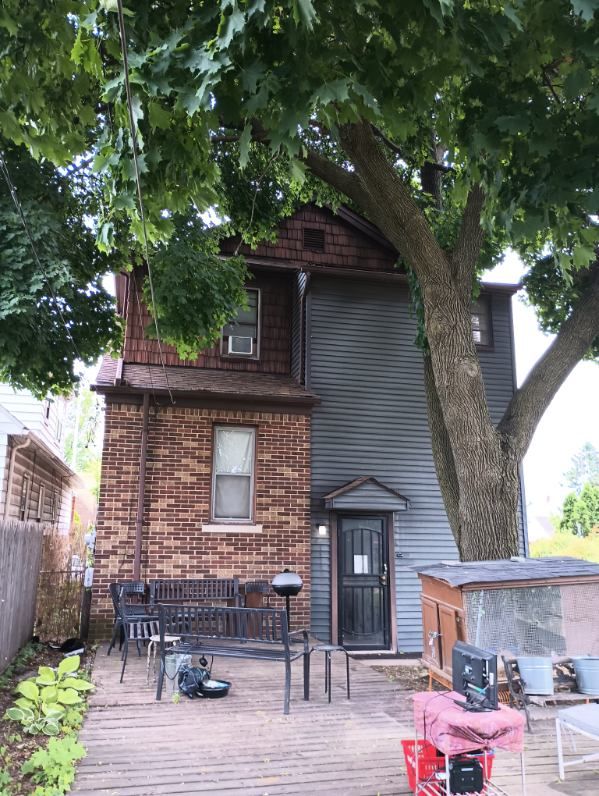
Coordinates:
x,y
287,584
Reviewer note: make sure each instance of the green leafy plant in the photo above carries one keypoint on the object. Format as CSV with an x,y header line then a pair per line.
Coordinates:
x,y
45,702
52,769
5,782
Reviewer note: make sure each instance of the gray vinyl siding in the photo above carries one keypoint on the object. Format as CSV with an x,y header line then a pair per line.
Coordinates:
x,y
372,420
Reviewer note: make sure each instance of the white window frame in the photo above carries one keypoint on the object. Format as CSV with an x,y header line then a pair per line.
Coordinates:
x,y
484,304
224,340
250,518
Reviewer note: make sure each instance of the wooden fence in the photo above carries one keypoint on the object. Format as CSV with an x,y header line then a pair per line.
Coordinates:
x,y
20,557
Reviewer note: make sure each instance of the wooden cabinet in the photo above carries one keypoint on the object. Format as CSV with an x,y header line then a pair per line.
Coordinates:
x,y
442,624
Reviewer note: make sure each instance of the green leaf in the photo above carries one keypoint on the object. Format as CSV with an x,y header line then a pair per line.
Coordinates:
x,y
53,711
304,13
15,714
49,694
158,116
244,146
69,697
8,23
29,690
583,256
47,676
69,665
78,683
576,83
25,704
518,123
51,728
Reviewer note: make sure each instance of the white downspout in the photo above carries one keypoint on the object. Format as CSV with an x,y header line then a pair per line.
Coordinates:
x,y
11,468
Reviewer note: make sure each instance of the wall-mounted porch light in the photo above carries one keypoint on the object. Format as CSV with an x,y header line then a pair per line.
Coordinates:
x,y
322,530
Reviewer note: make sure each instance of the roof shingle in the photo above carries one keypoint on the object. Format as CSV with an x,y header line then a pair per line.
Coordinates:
x,y
202,382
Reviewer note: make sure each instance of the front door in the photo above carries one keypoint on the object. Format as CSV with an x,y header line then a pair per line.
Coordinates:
x,y
363,559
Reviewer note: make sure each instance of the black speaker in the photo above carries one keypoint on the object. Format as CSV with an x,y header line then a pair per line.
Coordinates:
x,y
465,776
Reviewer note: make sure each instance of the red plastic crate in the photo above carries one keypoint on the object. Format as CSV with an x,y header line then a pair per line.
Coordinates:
x,y
431,761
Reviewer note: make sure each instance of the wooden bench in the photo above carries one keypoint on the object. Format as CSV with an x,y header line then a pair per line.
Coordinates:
x,y
194,591
253,633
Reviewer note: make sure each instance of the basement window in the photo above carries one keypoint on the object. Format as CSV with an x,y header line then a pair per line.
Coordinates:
x,y
241,336
314,239
233,473
481,322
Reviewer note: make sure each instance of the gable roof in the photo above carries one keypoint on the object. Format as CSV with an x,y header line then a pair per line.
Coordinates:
x,y
386,495
349,242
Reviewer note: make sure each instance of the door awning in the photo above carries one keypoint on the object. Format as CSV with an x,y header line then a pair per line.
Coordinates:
x,y
366,493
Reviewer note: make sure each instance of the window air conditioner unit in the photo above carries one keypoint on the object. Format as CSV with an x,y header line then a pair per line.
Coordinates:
x,y
241,345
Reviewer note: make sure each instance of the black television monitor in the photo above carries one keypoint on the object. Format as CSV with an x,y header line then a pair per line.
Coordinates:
x,y
474,673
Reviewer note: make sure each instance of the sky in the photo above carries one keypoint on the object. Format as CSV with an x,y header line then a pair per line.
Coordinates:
x,y
569,422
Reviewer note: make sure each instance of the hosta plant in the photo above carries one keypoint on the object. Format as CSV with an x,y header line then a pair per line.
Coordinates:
x,y
44,701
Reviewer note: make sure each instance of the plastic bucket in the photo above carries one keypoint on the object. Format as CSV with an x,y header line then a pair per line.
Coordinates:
x,y
537,674
172,664
587,674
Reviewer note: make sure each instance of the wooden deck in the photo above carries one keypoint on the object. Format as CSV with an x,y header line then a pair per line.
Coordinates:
x,y
243,744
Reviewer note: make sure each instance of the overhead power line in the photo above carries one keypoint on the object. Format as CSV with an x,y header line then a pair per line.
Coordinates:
x,y
133,134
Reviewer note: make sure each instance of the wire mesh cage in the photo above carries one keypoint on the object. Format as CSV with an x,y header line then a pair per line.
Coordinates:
x,y
535,620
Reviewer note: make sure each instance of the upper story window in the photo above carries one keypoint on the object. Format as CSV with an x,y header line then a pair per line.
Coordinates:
x,y
241,337
233,473
481,321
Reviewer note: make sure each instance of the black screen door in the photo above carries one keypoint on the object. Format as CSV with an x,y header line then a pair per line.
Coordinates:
x,y
363,583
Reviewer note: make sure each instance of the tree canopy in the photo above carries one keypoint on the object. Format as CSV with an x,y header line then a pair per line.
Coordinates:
x,y
580,512
54,309
458,128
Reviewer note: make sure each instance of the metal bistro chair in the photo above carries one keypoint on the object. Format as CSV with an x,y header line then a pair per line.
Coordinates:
x,y
136,627
128,589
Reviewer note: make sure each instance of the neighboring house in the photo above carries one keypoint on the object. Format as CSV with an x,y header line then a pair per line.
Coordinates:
x,y
300,441
36,484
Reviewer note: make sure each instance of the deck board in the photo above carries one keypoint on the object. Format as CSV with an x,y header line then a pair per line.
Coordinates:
x,y
243,744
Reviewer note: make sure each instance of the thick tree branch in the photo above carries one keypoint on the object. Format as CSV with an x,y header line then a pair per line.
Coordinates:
x,y
572,342
337,177
390,205
469,242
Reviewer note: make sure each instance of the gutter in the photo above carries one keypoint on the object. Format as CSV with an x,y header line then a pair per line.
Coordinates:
x,y
11,469
141,493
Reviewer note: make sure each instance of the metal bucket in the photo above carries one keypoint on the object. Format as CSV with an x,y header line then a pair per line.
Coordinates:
x,y
172,664
587,674
537,674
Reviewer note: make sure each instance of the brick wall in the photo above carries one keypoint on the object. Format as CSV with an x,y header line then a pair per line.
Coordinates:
x,y
178,486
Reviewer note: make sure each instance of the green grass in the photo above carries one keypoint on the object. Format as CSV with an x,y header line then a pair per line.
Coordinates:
x,y
564,543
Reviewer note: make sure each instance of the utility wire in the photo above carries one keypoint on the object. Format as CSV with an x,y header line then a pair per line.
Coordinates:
x,y
13,192
133,132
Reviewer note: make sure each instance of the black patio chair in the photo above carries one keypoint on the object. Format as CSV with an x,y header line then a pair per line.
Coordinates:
x,y
134,591
138,627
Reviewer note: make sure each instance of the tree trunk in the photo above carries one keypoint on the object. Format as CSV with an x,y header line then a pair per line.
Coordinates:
x,y
482,505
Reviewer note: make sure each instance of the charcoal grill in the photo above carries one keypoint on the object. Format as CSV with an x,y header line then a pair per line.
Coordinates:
x,y
287,584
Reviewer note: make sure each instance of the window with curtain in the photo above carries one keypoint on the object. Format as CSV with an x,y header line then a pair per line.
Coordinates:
x,y
233,473
241,336
481,322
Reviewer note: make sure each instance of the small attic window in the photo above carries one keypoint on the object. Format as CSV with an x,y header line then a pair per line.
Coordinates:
x,y
314,239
